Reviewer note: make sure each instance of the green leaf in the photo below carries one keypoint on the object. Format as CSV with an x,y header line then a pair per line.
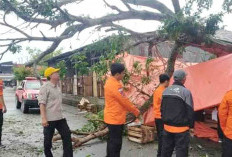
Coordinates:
x,y
63,69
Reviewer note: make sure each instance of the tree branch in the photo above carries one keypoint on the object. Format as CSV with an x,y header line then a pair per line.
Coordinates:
x,y
152,4
70,17
70,31
117,27
176,5
127,5
2,53
143,15
112,7
53,23
85,22
15,28
65,2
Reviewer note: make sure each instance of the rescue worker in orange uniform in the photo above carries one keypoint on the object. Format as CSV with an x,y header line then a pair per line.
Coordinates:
x,y
178,117
2,111
225,118
116,108
157,97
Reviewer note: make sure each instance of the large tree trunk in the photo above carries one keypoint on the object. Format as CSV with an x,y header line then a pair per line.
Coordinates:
x,y
172,59
170,69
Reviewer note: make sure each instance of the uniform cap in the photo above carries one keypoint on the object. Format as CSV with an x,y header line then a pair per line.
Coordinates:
x,y
49,71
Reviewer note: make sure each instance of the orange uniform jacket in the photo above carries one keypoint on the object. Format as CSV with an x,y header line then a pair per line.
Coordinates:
x,y
1,91
116,104
157,98
225,115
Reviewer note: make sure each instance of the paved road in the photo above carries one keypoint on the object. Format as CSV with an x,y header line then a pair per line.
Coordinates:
x,y
23,136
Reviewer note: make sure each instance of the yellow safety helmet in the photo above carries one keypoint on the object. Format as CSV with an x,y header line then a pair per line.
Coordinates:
x,y
49,71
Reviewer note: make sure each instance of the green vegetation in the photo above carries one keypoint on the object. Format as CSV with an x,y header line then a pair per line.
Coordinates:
x,y
63,69
94,123
81,64
21,72
34,53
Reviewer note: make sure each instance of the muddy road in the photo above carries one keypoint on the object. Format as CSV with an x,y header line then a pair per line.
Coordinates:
x,y
23,137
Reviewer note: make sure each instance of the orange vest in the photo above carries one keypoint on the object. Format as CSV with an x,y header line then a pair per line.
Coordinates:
x,y
116,104
157,98
225,115
1,92
174,129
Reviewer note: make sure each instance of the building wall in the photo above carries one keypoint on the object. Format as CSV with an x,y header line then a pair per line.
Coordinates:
x,y
140,50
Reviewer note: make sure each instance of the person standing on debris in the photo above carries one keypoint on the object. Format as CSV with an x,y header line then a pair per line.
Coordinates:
x,y
178,117
157,97
50,101
225,118
2,111
116,108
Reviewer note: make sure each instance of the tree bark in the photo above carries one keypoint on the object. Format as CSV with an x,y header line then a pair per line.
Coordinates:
x,y
169,70
172,59
176,6
152,4
80,141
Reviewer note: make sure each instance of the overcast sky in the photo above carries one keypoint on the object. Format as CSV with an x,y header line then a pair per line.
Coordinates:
x,y
92,8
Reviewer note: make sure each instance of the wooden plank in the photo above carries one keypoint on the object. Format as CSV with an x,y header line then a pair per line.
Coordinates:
x,y
135,139
148,127
95,90
134,128
88,90
134,134
141,134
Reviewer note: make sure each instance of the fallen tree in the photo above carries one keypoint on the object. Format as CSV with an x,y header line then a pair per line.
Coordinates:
x,y
182,26
79,138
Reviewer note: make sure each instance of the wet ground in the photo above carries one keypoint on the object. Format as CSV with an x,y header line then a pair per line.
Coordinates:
x,y
23,137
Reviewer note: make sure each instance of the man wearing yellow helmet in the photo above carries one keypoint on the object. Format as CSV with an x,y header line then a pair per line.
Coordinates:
x,y
50,101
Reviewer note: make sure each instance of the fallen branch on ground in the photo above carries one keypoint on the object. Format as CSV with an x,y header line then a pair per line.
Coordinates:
x,y
78,141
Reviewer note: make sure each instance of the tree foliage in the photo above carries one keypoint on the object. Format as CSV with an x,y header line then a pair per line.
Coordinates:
x,y
63,69
41,70
81,65
20,73
108,51
34,53
227,5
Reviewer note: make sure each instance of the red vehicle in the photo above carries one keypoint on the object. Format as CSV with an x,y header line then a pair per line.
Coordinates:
x,y
27,93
